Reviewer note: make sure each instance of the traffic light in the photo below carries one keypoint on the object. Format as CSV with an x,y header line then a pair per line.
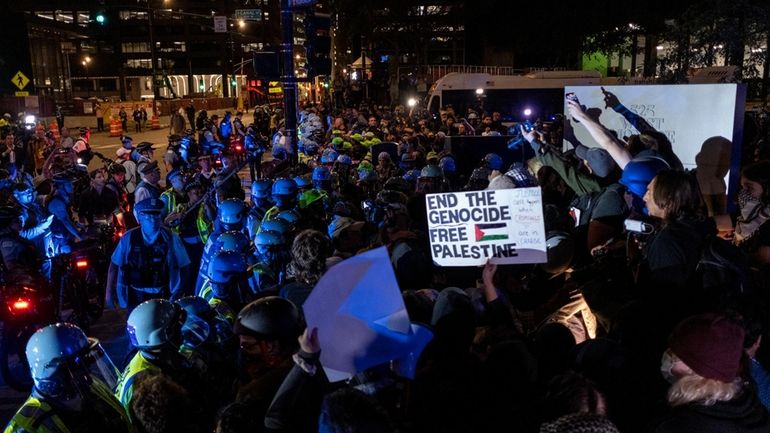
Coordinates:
x,y
201,86
99,17
318,44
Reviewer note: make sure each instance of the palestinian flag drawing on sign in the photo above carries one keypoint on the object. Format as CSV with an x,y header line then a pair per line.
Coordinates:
x,y
491,232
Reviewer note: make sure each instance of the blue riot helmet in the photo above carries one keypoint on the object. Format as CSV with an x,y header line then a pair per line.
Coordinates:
x,y
447,165
196,306
322,178
637,174
284,193
155,326
63,361
493,161
228,275
344,160
277,226
411,176
199,323
261,188
291,217
367,176
407,162
232,214
329,156
430,180
268,245
304,183
233,240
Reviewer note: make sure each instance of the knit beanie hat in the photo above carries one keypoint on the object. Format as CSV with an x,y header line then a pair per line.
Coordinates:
x,y
710,344
580,423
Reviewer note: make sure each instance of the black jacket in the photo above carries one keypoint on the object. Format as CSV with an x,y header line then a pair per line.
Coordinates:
x,y
743,414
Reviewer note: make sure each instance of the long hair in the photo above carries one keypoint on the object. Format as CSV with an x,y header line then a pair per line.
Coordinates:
x,y
677,193
700,390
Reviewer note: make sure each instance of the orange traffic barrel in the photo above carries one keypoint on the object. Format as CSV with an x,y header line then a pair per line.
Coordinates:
x,y
115,128
154,122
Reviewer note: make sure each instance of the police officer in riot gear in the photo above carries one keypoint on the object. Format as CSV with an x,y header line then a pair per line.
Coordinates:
x,y
284,193
73,378
149,260
155,329
228,287
260,204
231,215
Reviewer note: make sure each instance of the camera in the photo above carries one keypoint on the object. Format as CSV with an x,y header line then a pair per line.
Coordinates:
x,y
571,96
517,138
636,226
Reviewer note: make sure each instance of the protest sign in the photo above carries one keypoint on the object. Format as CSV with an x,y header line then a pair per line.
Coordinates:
x,y
362,320
467,228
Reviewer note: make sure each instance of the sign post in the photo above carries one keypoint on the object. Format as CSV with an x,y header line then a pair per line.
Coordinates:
x,y
220,24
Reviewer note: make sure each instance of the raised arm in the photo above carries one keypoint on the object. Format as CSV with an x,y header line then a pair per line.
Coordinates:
x,y
601,134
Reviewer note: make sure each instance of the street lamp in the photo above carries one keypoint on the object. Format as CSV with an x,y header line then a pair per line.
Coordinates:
x,y
86,61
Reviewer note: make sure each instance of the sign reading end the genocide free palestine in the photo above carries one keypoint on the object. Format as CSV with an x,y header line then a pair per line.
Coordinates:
x,y
467,228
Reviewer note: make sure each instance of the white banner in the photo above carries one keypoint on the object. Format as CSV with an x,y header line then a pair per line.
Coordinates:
x,y
700,120
467,228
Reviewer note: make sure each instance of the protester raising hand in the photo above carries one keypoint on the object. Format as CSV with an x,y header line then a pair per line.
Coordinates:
x,y
308,341
488,278
610,100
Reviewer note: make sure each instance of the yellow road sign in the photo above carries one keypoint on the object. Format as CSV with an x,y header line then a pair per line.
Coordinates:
x,y
20,80
21,93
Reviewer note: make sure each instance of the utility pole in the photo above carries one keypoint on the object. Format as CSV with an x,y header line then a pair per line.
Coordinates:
x,y
153,58
288,79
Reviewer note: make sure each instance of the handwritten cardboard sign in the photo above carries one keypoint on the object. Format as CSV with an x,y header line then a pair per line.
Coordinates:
x,y
467,228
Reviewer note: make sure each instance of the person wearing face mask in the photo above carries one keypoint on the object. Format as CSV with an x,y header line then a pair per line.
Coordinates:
x,y
267,331
707,393
752,232
72,377
149,261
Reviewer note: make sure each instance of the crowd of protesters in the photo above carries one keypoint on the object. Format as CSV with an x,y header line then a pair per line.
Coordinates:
x,y
648,316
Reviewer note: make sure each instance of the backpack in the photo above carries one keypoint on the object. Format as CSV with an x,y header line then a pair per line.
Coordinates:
x,y
724,272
